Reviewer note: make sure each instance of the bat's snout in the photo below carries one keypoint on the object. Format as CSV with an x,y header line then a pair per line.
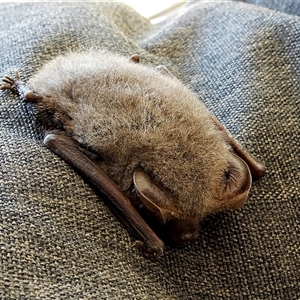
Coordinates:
x,y
183,231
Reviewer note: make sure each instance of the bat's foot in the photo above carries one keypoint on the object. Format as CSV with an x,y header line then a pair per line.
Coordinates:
x,y
18,87
149,251
10,83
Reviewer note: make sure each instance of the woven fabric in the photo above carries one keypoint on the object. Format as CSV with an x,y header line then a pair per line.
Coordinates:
x,y
59,240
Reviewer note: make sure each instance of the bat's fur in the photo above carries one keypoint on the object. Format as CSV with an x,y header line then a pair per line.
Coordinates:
x,y
134,116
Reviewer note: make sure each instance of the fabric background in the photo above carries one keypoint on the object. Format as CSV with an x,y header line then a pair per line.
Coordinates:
x,y
58,239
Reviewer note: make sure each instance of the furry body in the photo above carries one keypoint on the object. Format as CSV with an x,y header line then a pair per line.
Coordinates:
x,y
152,137
131,115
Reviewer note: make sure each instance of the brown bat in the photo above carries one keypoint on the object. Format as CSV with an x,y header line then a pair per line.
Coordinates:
x,y
142,138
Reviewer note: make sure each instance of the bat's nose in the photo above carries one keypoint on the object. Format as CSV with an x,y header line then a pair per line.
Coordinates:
x,y
183,231
187,237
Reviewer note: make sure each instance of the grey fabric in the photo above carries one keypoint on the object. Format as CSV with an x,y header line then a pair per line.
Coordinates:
x,y
59,240
287,6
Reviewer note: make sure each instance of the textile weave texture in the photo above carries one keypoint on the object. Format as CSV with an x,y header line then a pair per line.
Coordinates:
x,y
59,240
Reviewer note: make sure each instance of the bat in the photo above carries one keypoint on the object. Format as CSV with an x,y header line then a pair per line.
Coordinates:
x,y
142,138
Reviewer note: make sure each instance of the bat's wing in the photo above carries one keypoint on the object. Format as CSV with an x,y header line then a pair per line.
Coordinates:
x,y
257,169
69,149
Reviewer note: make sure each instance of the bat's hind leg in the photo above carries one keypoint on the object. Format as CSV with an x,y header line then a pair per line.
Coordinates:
x,y
48,111
18,87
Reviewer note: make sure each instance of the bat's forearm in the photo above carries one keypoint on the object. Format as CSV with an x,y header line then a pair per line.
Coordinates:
x,y
68,149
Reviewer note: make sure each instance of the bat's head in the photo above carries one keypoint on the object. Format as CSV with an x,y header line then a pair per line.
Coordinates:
x,y
182,217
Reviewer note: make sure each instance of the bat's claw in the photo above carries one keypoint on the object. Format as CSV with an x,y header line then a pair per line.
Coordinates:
x,y
18,87
10,83
149,251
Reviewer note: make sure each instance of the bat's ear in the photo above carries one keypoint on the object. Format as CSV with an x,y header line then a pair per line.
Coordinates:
x,y
155,199
237,184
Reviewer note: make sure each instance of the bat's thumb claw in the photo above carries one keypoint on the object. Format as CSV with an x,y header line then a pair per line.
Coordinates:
x,y
147,250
